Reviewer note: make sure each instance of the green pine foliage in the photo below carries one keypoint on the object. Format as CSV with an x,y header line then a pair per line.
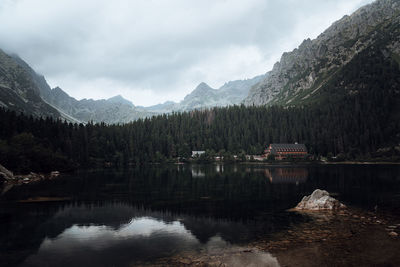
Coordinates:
x,y
353,127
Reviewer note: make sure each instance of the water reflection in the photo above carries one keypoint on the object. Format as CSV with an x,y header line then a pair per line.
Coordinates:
x,y
148,235
143,238
287,175
116,217
219,168
197,172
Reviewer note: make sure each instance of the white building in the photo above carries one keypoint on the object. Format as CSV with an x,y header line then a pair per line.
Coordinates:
x,y
197,153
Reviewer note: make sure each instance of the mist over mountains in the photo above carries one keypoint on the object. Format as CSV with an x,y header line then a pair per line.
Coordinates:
x,y
203,96
58,104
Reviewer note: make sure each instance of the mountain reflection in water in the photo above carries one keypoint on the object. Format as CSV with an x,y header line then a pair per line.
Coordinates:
x,y
142,238
117,218
120,234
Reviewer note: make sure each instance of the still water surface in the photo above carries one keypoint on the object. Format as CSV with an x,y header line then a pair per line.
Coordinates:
x,y
122,217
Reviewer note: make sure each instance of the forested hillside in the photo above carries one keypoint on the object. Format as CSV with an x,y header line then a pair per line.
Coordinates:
x,y
358,125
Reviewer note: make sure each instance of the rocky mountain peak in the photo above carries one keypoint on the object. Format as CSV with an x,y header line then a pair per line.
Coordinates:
x,y
199,92
300,73
118,99
203,87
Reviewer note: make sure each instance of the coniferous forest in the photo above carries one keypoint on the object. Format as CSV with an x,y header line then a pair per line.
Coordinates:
x,y
352,130
356,115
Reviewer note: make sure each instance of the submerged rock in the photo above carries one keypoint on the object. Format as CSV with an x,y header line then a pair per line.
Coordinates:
x,y
319,200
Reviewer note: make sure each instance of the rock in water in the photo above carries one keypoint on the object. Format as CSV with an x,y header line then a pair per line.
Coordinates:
x,y
319,200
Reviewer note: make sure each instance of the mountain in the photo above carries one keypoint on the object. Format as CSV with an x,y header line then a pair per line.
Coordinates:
x,y
231,93
165,107
39,80
20,92
235,91
316,69
203,96
119,110
112,110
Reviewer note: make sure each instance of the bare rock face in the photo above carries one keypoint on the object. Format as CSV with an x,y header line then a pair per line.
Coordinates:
x,y
301,73
319,200
19,92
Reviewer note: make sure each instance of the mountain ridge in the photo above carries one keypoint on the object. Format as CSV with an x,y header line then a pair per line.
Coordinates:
x,y
204,96
113,110
301,72
20,92
301,77
120,110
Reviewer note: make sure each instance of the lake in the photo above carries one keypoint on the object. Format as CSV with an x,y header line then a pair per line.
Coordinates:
x,y
135,216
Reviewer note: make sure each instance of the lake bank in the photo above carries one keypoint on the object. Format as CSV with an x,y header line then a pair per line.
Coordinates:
x,y
9,179
347,238
305,163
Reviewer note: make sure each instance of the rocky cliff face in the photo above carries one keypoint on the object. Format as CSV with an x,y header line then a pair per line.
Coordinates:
x,y
296,78
20,92
39,80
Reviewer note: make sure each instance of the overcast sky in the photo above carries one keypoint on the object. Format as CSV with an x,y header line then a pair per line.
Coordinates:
x,y
150,51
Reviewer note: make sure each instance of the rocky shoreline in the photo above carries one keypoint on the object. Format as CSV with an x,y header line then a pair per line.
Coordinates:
x,y
335,235
9,179
346,238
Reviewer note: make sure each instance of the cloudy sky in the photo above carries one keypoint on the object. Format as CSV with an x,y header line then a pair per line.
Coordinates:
x,y
150,51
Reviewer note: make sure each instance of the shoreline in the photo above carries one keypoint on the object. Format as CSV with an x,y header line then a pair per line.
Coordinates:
x,y
346,238
321,163
9,180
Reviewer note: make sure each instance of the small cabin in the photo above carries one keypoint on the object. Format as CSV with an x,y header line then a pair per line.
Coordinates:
x,y
284,151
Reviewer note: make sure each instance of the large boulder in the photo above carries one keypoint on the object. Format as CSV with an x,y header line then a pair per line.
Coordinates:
x,y
319,200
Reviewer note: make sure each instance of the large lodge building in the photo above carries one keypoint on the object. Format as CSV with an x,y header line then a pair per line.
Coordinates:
x,y
284,151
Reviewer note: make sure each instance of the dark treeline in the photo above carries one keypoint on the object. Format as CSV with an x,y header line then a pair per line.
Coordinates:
x,y
42,144
356,115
